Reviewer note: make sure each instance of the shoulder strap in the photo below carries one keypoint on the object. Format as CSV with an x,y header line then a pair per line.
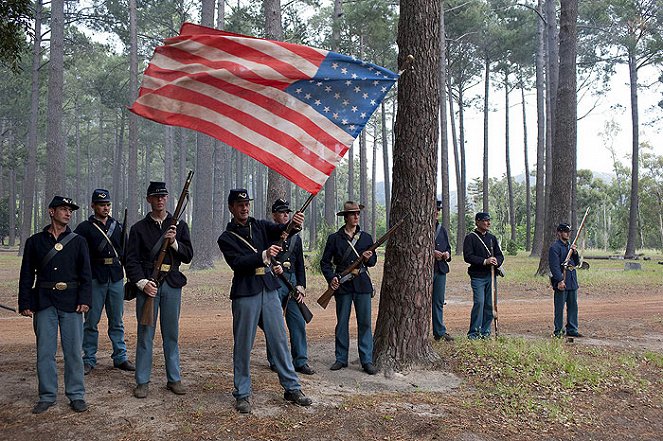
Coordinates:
x,y
483,243
243,240
157,246
102,245
53,251
351,247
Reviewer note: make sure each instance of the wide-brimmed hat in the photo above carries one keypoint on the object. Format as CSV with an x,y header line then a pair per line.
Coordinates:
x,y
59,201
157,188
238,195
350,207
281,206
101,195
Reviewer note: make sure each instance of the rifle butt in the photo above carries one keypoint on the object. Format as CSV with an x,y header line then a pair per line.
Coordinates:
x,y
325,298
306,313
147,315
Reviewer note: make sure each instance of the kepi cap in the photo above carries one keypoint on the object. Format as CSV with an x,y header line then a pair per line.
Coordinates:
x,y
238,195
563,227
59,201
157,188
281,206
101,195
438,205
482,216
350,207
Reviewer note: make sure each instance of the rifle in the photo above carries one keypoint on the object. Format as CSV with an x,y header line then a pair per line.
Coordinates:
x,y
493,289
327,295
292,291
8,308
123,241
565,264
147,317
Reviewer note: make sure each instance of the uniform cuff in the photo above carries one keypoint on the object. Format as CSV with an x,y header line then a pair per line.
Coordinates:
x,y
141,284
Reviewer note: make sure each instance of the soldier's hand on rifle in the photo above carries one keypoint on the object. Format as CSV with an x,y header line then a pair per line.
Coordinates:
x,y
82,308
278,269
490,261
170,234
574,247
334,284
301,293
367,255
150,288
298,219
26,313
437,254
273,250
561,286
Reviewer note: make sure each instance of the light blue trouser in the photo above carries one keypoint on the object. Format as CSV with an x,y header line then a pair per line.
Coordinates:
x,y
247,311
296,326
111,296
362,303
439,288
168,301
570,297
482,310
46,323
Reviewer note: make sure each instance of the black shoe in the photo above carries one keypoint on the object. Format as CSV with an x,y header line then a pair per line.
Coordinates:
x,y
78,405
42,406
578,335
176,387
87,368
125,366
338,365
447,337
242,405
297,397
305,369
370,369
272,367
141,390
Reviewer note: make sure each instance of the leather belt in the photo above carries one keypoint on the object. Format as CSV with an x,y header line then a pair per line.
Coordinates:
x,y
106,261
59,286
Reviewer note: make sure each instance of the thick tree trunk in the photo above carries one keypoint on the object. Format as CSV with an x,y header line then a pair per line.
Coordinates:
x,y
539,211
635,162
56,165
401,334
484,181
31,142
565,127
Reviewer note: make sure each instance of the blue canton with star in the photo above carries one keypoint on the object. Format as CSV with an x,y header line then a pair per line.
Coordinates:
x,y
345,90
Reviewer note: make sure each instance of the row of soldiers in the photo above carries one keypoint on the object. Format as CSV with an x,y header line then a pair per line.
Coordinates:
x,y
68,278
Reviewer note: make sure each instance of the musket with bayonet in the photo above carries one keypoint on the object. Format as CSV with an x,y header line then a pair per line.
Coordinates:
x,y
566,264
157,276
292,291
351,271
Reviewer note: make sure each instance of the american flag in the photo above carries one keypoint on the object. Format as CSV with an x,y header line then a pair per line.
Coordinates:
x,y
294,108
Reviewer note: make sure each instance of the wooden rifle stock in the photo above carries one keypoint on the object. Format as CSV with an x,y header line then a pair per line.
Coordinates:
x,y
292,291
327,295
147,317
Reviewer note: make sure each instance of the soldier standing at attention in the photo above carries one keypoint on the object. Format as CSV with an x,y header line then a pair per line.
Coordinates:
x,y
481,250
58,259
442,254
564,282
104,238
292,261
245,245
341,249
145,240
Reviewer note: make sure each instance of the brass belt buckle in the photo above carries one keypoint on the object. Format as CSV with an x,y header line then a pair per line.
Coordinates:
x,y
260,271
165,268
108,261
61,286
286,265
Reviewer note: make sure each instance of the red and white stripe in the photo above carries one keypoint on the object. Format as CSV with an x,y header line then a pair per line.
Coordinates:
x,y
232,87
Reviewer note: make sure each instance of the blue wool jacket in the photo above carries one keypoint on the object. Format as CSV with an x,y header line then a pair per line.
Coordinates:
x,y
556,255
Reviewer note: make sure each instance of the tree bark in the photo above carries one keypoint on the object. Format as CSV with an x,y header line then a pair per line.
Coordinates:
x,y
401,334
133,199
55,145
444,137
528,202
635,161
539,211
484,181
31,142
507,152
385,161
565,127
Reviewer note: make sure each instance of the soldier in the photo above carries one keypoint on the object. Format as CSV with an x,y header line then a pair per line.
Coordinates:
x,y
341,249
254,296
292,261
104,238
481,250
564,282
442,254
145,241
59,260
